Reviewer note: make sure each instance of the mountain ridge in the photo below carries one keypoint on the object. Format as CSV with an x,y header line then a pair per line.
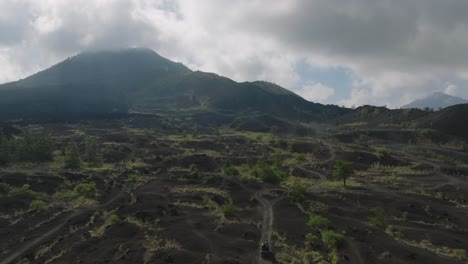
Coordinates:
x,y
436,100
117,81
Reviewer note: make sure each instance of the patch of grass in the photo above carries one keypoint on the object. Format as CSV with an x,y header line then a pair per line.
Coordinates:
x,y
355,124
81,196
189,204
398,170
155,244
456,253
288,253
110,219
194,189
44,249
337,185
55,257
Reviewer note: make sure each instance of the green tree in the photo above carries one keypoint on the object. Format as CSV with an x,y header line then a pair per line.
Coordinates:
x,y
93,157
343,170
42,147
298,193
24,146
72,156
229,170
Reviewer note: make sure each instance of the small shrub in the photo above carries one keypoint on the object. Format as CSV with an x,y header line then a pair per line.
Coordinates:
x,y
228,209
301,158
380,153
231,172
318,222
37,205
114,219
298,193
229,169
23,192
311,237
378,219
331,238
86,190
267,174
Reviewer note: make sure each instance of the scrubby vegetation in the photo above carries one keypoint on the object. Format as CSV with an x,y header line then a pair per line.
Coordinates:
x,y
28,147
23,192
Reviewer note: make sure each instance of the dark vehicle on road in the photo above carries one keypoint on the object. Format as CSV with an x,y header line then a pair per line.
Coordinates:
x,y
265,250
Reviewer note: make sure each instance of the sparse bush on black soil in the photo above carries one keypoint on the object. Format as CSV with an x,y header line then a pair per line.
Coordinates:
x,y
301,157
228,209
298,193
267,173
37,205
86,189
311,237
331,238
318,222
229,170
72,156
380,152
132,180
378,219
343,170
114,219
23,192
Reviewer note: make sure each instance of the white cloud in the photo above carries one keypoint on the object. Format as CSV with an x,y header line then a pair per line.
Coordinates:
x,y
316,92
451,89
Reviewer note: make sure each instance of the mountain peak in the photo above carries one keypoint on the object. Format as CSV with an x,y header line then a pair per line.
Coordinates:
x,y
435,101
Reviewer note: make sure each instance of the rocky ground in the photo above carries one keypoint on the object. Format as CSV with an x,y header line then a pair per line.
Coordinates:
x,y
162,196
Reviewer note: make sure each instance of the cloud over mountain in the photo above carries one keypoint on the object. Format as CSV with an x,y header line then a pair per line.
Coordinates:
x,y
396,50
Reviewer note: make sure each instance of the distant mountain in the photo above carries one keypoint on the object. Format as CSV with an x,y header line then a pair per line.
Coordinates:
x,y
94,83
436,101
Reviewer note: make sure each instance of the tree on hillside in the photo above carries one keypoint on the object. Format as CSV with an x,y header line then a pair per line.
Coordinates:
x,y
343,170
72,156
93,157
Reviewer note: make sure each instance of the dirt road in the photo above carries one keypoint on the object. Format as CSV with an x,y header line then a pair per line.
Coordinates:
x,y
268,217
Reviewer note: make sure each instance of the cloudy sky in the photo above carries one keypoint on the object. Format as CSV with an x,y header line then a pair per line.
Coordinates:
x,y
353,52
